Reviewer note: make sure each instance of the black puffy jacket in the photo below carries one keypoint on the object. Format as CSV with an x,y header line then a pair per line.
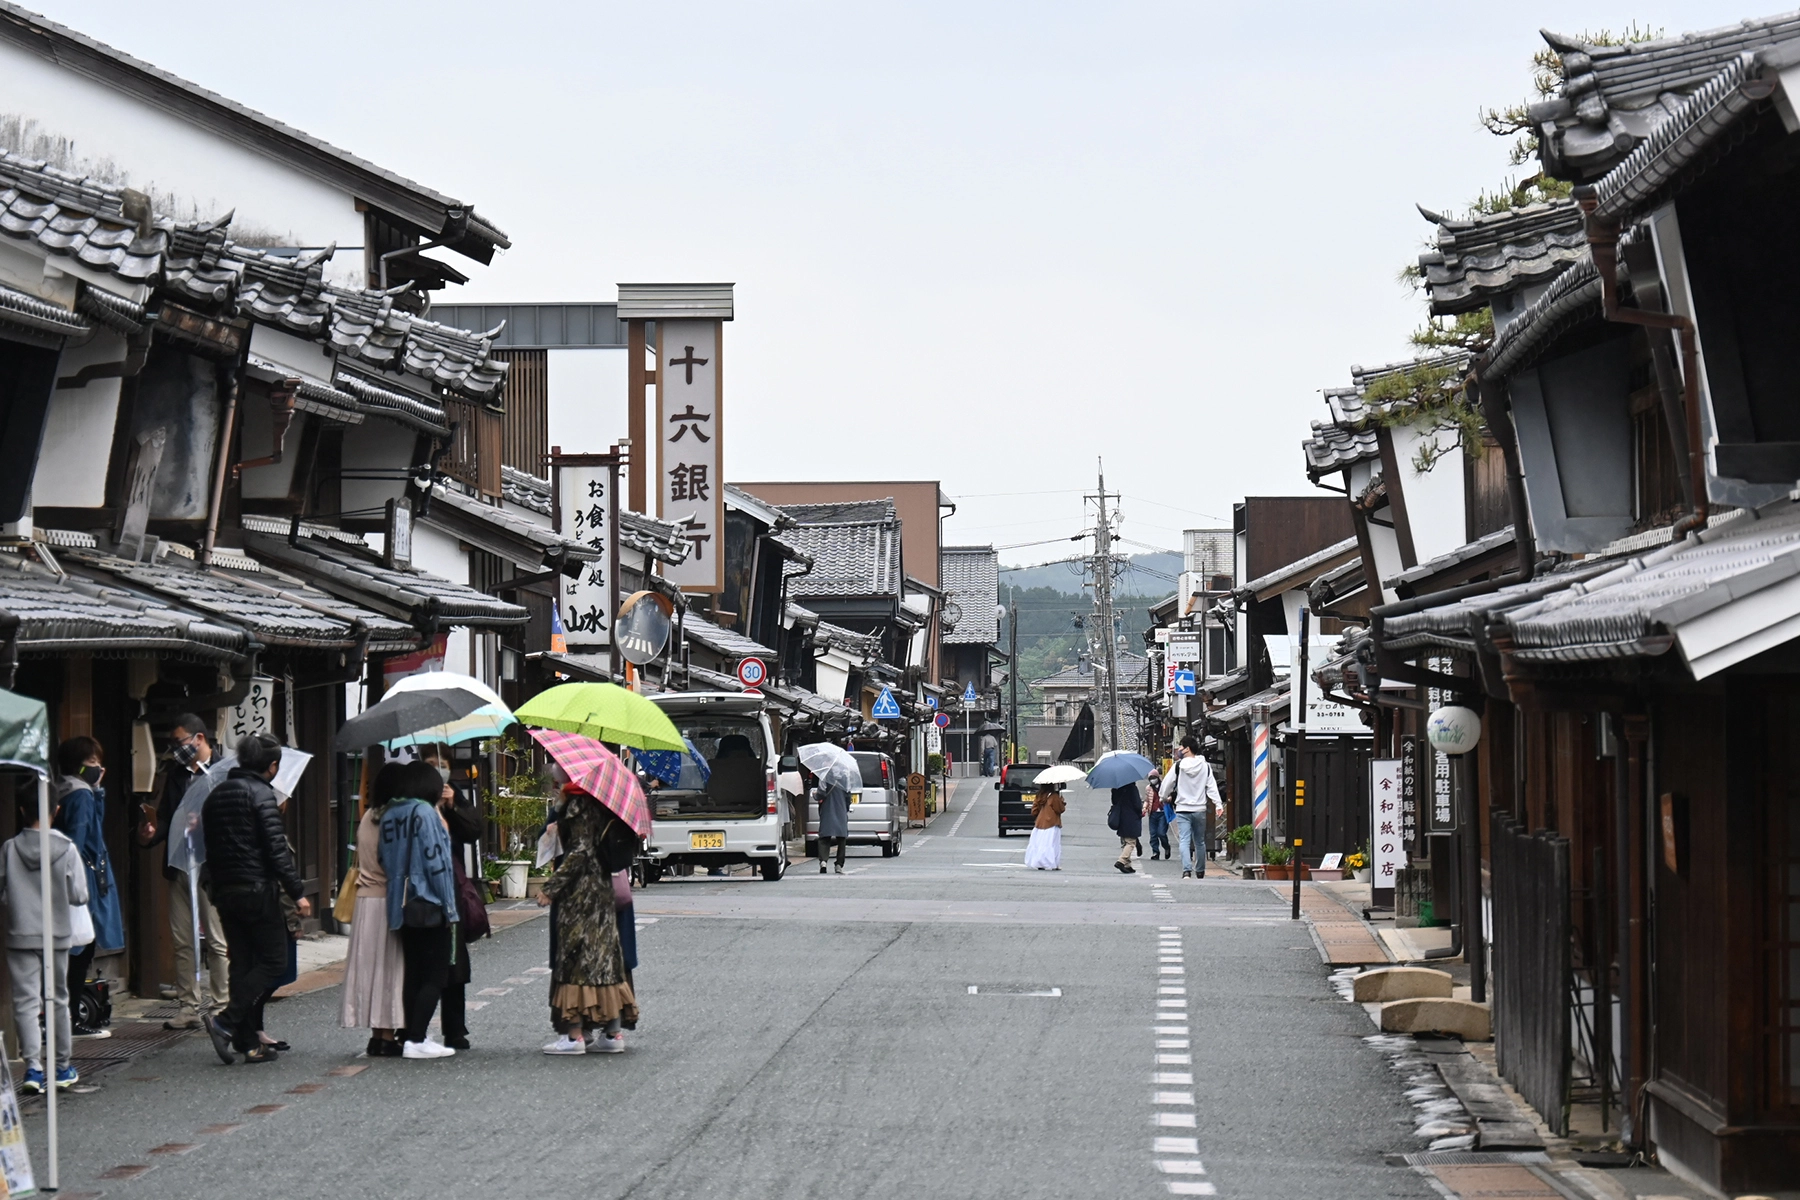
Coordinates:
x,y
246,842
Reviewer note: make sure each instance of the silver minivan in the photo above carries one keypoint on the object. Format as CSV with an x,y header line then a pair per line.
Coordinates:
x,y
736,815
877,808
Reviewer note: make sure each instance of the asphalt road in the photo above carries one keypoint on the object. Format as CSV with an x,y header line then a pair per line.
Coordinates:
x,y
818,1037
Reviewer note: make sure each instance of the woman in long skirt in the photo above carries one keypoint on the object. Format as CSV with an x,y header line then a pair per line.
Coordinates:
x,y
374,966
590,987
1045,849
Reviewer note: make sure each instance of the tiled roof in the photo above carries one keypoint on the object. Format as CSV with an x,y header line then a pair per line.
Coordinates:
x,y
855,549
63,615
1299,572
1132,668
358,575
1349,437
1487,256
1485,544
39,316
971,577
507,534
1278,699
661,540
865,647
1337,584
277,613
69,216
1646,604
724,642
525,490
1613,97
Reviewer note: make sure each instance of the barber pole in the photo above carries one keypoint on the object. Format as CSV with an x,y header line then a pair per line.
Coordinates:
x,y
1259,771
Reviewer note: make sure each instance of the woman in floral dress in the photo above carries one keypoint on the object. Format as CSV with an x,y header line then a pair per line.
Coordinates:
x,y
590,988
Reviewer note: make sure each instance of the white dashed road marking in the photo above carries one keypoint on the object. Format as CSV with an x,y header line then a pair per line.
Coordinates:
x,y
1174,1156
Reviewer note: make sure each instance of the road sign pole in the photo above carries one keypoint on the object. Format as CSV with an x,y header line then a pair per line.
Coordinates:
x,y
1294,841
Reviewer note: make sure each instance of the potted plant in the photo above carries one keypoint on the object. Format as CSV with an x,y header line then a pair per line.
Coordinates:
x,y
1357,863
1239,838
518,804
1276,860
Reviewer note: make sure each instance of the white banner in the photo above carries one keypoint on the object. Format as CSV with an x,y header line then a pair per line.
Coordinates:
x,y
690,444
1184,647
1387,849
1323,714
934,740
586,499
251,715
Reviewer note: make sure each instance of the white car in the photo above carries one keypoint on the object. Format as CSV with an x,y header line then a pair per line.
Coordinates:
x,y
738,814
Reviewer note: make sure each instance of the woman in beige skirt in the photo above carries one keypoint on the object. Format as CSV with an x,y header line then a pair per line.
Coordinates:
x,y
374,967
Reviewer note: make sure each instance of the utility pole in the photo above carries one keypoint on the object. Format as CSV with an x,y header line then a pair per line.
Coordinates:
x,y
1012,675
1103,601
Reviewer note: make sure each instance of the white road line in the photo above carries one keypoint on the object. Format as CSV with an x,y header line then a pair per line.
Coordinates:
x,y
1174,1110
1181,1166
1182,1187
1176,1120
915,842
1186,1098
1175,1145
954,829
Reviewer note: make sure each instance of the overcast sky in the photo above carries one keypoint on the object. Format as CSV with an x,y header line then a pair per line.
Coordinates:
x,y
976,242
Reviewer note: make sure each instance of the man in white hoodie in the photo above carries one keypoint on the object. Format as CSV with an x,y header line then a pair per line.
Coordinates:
x,y
1195,791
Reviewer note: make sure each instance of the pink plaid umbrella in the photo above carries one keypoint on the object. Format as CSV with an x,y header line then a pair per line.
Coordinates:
x,y
598,772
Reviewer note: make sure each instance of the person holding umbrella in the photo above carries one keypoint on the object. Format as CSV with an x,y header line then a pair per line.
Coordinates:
x,y
421,900
1127,820
601,822
838,775
1044,851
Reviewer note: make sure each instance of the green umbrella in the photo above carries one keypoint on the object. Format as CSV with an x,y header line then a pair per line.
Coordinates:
x,y
605,712
24,732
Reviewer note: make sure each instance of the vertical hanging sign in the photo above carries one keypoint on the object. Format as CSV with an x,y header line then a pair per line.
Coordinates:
x,y
1387,847
585,496
690,436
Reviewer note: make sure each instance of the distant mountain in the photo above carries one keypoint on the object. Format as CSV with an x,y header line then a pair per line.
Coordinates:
x,y
1148,575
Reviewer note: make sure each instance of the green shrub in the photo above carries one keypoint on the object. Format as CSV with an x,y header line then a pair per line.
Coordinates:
x,y
1240,837
1277,856
934,764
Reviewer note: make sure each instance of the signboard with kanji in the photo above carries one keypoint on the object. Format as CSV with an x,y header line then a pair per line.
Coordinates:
x,y
1387,843
690,439
585,491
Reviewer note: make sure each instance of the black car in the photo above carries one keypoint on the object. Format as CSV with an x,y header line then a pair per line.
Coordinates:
x,y
1016,788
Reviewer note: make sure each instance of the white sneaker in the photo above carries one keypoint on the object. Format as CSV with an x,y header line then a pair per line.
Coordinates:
x,y
610,1045
426,1049
566,1045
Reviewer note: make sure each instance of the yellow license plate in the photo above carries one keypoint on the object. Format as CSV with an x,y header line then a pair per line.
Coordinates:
x,y
855,799
706,841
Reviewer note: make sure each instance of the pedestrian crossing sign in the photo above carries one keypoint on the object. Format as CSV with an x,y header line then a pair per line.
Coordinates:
x,y
969,692
885,707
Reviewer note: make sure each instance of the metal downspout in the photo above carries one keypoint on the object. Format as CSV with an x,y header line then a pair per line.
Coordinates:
x,y
218,487
1603,245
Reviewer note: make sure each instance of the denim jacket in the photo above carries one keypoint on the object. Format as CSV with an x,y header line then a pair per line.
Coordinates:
x,y
417,856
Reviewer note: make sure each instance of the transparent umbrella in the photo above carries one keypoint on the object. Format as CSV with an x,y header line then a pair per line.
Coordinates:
x,y
832,764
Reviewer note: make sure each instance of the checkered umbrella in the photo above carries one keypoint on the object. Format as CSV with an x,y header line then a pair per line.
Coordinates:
x,y
599,772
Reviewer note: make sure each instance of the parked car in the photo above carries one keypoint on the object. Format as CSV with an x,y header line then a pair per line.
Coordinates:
x,y
877,808
1015,786
737,815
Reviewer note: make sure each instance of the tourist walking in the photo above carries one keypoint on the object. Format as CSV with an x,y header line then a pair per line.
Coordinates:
x,y
1194,791
1156,814
834,819
22,887
248,867
374,966
1044,851
191,752
590,985
421,901
1127,820
83,819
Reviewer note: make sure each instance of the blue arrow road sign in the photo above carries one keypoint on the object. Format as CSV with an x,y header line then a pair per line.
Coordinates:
x,y
884,708
1184,683
969,692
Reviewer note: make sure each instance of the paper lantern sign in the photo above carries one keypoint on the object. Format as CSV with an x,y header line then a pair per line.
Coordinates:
x,y
1453,730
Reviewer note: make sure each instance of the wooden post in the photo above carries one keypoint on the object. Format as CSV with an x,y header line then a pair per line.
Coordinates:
x,y
637,378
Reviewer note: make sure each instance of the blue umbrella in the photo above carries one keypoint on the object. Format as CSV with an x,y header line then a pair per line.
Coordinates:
x,y
1119,767
668,766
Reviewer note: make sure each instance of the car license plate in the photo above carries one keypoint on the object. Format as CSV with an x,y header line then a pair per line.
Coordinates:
x,y
706,841
855,799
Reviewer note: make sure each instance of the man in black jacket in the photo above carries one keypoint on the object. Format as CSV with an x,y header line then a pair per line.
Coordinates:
x,y
247,859
191,751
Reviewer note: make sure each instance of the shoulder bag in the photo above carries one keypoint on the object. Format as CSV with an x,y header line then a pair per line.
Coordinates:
x,y
345,908
417,912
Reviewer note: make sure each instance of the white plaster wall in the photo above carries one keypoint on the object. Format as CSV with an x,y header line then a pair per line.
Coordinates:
x,y
1434,498
156,151
435,551
587,399
1386,544
71,471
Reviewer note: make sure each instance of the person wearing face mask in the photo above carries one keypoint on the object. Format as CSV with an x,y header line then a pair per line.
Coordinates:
x,y
191,752
83,821
248,864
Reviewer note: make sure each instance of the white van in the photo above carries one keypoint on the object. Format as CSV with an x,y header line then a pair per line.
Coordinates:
x,y
737,816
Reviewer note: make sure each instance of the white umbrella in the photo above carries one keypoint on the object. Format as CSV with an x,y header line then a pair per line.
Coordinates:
x,y
832,764
1060,773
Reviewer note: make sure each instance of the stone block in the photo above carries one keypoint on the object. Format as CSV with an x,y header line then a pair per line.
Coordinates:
x,y
1401,983
1460,1018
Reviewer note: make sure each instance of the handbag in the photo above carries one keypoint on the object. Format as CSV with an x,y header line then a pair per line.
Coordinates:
x,y
345,908
469,908
81,925
1112,818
